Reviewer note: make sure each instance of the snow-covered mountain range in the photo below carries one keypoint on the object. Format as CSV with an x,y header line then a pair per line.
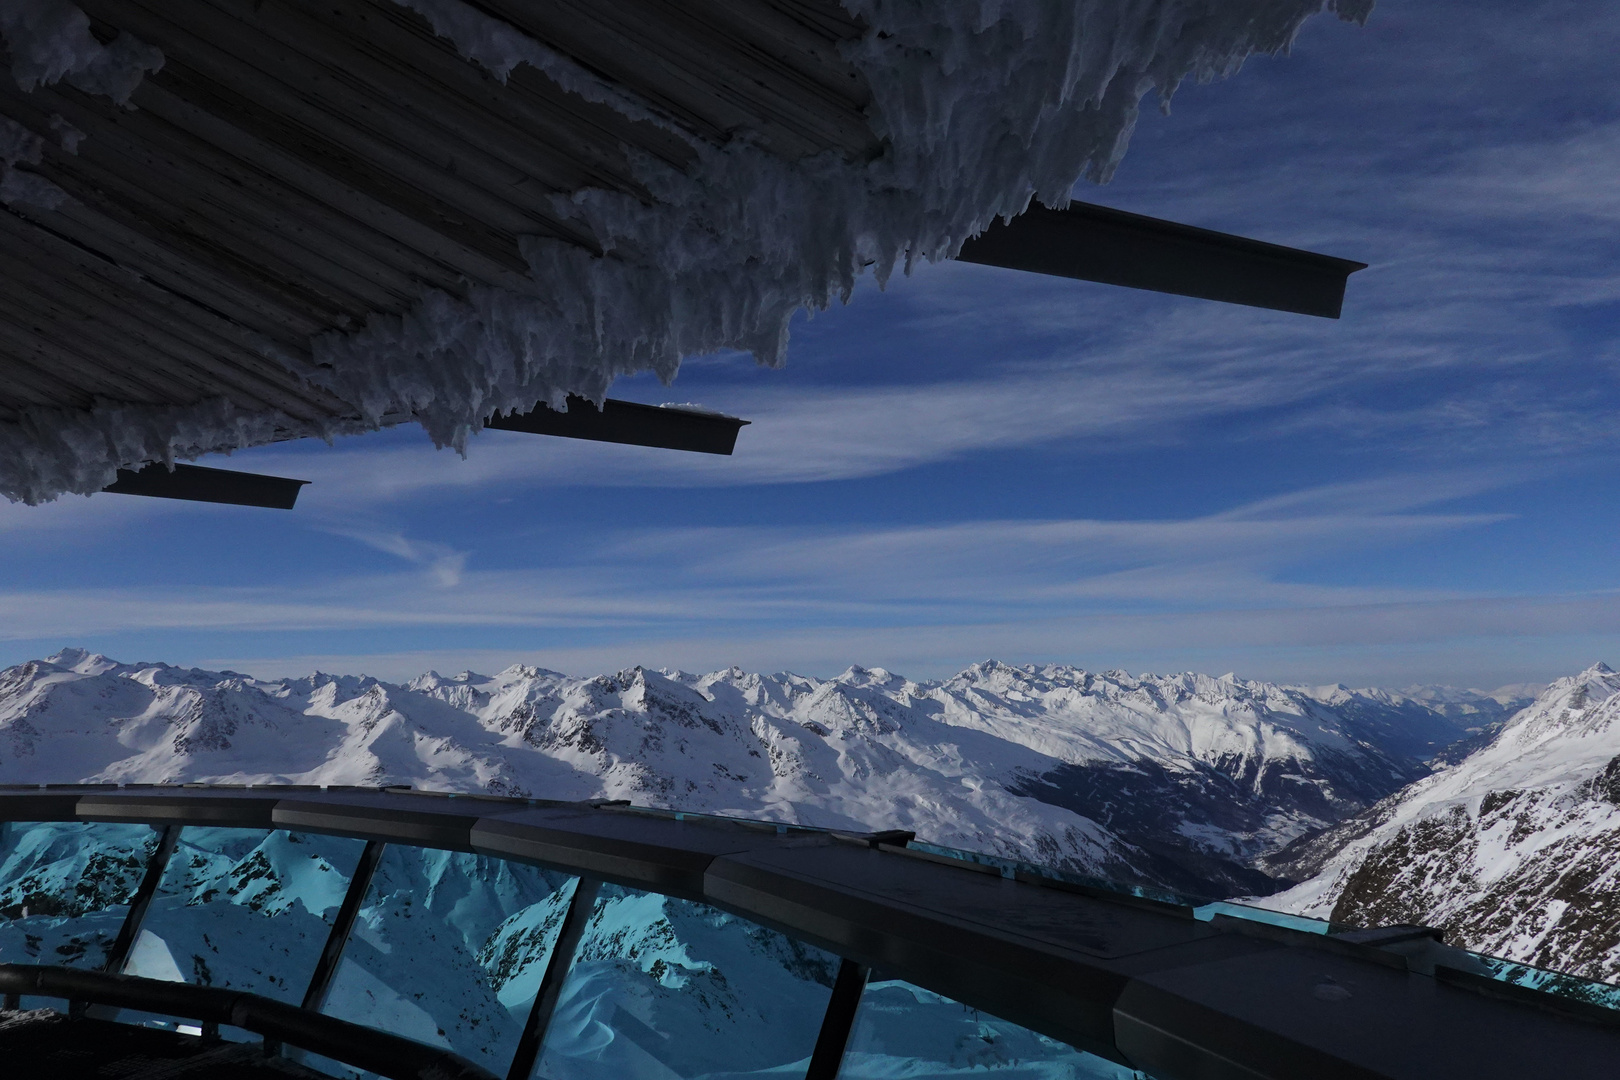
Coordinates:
x,y
1514,850
1204,785
1180,781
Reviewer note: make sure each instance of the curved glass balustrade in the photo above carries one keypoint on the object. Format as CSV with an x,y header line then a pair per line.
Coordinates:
x,y
449,948
244,910
503,961
666,988
65,889
905,1031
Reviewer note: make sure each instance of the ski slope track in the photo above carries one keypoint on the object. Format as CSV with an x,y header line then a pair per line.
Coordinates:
x,y
1514,850
1178,781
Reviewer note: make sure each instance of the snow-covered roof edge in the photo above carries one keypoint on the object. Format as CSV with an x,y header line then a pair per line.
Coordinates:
x,y
983,104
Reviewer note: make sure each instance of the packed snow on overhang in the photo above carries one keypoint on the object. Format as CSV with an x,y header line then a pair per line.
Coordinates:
x,y
982,106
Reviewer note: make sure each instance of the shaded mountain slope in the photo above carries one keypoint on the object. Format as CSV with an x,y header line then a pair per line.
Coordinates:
x,y
1514,850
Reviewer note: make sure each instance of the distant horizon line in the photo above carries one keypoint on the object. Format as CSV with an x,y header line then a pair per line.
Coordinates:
x,y
1518,690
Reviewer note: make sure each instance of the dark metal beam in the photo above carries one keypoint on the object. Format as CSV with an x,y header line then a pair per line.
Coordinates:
x,y
118,955
326,967
561,960
195,483
1096,243
837,1022
665,427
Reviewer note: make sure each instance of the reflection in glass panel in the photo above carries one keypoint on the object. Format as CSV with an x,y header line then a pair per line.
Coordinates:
x,y
449,949
1606,995
245,909
665,988
65,887
905,1031
1262,915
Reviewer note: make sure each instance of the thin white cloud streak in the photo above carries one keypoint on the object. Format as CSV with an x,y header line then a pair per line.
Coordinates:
x,y
1236,553
75,515
1481,641
1004,561
443,563
1565,177
1381,496
771,576
800,437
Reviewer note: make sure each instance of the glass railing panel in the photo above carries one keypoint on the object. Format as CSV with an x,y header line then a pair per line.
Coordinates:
x,y
449,948
1263,915
65,888
1559,983
902,1030
245,909
666,989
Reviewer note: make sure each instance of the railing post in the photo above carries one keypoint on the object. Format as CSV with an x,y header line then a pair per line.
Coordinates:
x,y
321,981
118,955
557,968
837,1021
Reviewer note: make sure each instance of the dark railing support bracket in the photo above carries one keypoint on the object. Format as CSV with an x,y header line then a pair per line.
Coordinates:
x,y
321,981
837,1022
580,907
118,955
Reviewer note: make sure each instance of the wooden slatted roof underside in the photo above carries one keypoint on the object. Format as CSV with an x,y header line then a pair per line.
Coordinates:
x,y
297,165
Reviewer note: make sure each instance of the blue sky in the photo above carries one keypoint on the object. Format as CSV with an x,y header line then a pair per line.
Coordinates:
x,y
981,463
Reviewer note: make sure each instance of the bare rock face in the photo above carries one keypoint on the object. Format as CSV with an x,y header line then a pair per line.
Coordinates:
x,y
1514,851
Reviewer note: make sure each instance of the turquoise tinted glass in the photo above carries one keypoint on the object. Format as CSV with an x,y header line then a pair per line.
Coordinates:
x,y
664,988
1263,915
905,1031
65,887
449,948
245,909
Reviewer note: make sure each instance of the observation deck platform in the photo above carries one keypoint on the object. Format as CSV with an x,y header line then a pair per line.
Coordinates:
x,y
410,934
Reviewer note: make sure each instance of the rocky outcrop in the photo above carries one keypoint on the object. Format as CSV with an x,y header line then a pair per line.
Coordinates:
x,y
1513,851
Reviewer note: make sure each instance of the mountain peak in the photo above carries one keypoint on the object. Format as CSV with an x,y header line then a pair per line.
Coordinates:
x,y
81,661
856,675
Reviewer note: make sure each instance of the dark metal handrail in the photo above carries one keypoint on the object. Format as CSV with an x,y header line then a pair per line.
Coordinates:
x,y
353,1044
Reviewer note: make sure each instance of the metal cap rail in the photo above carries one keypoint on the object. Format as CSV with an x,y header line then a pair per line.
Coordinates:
x,y
353,1044
1138,981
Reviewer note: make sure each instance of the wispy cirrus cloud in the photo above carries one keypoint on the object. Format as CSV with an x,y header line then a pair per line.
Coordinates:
x,y
1463,149
646,582
1482,642
443,563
